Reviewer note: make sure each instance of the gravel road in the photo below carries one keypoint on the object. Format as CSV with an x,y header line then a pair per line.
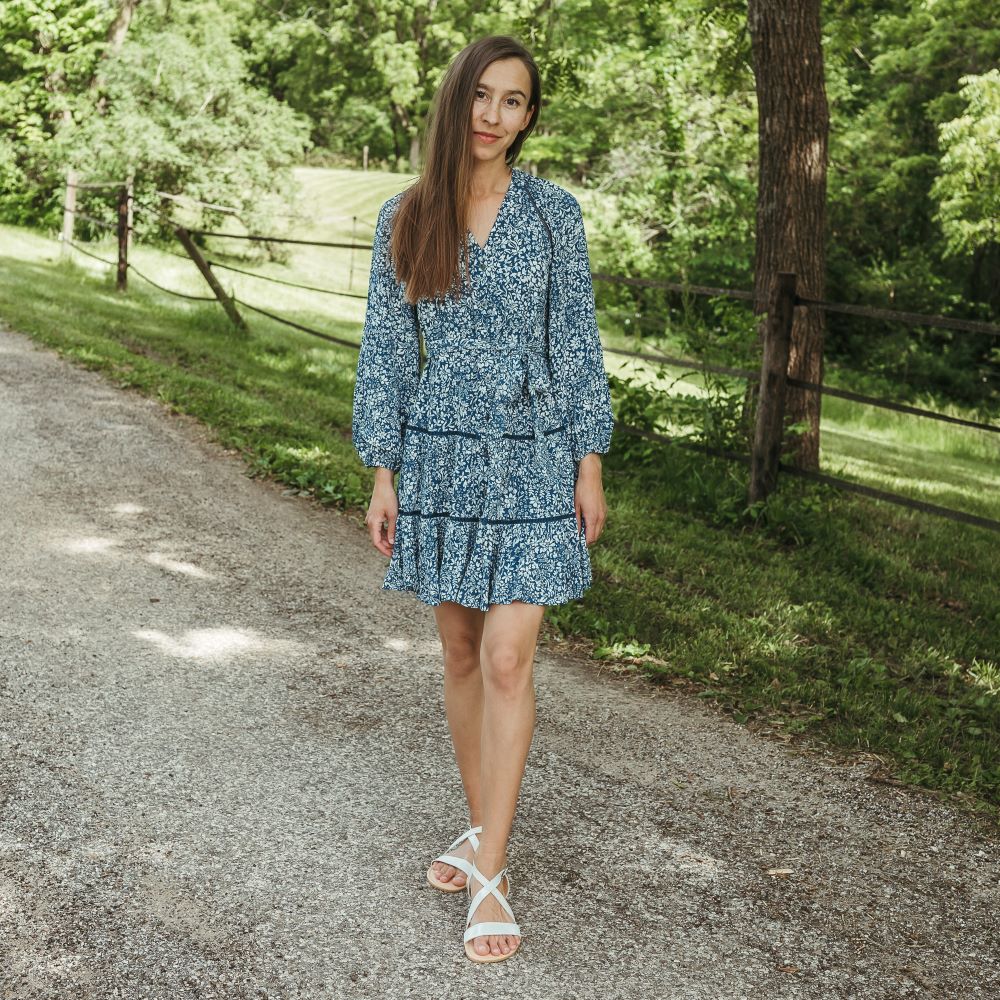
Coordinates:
x,y
225,769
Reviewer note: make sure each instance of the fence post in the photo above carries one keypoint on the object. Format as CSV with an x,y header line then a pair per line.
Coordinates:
x,y
124,197
195,254
768,433
130,215
69,210
354,239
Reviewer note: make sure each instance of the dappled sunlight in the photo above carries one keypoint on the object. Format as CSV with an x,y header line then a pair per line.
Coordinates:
x,y
912,470
985,674
982,674
312,454
964,446
176,566
85,546
97,545
686,859
944,493
329,363
125,509
426,647
284,362
215,643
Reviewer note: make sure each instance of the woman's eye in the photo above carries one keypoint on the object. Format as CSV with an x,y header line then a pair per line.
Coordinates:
x,y
512,102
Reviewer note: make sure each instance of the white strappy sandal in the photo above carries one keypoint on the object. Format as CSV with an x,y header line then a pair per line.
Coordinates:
x,y
460,863
490,926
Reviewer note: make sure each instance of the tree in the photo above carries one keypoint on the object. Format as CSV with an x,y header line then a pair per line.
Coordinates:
x,y
968,186
161,89
793,126
366,70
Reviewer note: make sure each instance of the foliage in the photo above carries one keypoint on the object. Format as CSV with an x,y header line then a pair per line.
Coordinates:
x,y
894,72
968,186
363,71
711,416
50,55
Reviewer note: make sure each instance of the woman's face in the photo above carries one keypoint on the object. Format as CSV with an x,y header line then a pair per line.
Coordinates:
x,y
500,108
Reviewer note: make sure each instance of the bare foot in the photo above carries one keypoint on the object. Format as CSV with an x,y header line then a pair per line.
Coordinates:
x,y
490,910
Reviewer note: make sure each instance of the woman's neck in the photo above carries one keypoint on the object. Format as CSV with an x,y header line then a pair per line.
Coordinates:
x,y
490,178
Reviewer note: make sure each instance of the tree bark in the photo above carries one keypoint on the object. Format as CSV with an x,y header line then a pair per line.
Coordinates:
x,y
115,40
793,126
119,27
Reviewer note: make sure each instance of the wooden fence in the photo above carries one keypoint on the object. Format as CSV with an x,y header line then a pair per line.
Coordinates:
x,y
764,458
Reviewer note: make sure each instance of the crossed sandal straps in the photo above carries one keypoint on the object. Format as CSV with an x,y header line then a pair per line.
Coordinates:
x,y
460,863
484,928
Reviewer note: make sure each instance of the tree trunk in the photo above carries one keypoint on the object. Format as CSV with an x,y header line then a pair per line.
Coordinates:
x,y
115,40
415,153
793,124
120,25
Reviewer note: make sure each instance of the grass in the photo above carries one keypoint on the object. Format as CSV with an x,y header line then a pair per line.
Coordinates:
x,y
837,621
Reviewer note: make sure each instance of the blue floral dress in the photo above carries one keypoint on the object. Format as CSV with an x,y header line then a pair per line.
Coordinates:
x,y
487,439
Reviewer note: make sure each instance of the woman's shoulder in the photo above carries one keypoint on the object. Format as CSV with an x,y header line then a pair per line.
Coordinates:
x,y
389,206
553,196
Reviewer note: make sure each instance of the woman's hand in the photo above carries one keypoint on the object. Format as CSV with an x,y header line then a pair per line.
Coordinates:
x,y
383,512
589,497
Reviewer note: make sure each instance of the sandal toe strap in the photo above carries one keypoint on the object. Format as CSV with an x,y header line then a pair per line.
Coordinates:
x,y
456,862
492,927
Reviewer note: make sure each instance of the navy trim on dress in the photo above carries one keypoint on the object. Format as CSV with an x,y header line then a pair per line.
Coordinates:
x,y
486,520
473,434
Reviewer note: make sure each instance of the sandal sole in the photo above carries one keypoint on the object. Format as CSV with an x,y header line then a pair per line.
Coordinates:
x,y
444,886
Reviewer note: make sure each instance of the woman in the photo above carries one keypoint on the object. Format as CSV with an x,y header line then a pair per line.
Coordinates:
x,y
497,441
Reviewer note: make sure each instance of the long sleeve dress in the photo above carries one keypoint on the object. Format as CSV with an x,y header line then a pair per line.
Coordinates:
x,y
488,438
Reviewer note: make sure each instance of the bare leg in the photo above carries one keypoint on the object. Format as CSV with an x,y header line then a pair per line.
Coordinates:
x,y
510,634
461,632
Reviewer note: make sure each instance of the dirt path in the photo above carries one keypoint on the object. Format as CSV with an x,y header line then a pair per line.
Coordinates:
x,y
226,769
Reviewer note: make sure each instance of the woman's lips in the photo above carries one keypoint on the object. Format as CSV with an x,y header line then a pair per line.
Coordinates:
x,y
486,137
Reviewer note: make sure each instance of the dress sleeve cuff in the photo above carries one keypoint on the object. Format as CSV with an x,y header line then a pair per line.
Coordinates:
x,y
591,436
379,454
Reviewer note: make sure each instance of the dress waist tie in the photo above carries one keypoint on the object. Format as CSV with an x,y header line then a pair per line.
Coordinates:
x,y
522,377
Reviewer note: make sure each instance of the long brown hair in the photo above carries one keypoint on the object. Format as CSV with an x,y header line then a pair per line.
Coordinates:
x,y
429,226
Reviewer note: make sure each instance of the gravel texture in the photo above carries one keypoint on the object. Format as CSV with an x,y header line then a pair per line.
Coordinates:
x,y
226,767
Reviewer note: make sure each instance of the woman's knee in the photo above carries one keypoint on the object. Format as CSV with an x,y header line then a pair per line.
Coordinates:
x,y
506,668
461,654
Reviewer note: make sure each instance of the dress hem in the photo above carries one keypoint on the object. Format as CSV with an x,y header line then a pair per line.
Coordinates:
x,y
409,589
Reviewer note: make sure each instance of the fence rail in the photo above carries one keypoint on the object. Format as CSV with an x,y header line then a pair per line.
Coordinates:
x,y
764,458
288,284
870,312
959,516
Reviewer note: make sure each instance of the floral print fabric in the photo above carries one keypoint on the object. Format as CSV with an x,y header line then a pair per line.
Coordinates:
x,y
487,440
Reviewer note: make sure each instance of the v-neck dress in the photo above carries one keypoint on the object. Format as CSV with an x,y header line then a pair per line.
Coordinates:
x,y
488,438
